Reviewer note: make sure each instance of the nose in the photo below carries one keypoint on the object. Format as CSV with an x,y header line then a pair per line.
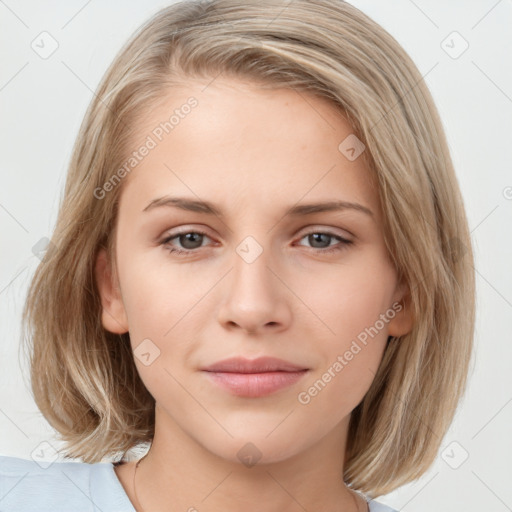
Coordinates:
x,y
254,298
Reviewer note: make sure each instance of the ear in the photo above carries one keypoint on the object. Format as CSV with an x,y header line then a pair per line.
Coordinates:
x,y
403,320
113,316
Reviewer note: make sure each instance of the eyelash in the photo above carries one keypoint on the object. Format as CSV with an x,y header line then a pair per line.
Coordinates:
x,y
187,252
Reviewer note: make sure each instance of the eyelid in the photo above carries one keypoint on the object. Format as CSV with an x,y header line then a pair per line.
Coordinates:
x,y
169,235
184,228
342,245
318,228
306,230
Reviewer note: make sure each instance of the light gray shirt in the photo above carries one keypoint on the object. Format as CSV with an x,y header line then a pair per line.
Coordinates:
x,y
30,486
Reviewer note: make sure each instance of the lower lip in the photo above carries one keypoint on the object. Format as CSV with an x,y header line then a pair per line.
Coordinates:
x,y
255,384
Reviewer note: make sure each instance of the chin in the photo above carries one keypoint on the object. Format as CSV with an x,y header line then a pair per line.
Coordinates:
x,y
250,450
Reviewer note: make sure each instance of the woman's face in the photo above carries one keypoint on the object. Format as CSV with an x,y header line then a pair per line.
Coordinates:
x,y
269,275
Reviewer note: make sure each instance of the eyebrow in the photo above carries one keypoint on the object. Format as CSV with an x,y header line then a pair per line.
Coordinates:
x,y
208,208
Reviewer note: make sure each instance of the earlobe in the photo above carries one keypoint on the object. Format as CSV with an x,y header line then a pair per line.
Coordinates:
x,y
113,315
403,320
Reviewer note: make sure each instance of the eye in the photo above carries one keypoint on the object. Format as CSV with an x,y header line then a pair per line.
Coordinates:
x,y
190,240
323,237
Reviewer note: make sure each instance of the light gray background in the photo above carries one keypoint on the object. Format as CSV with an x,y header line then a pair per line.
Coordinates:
x,y
43,102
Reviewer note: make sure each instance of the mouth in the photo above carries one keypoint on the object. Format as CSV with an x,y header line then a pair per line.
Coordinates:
x,y
259,365
254,378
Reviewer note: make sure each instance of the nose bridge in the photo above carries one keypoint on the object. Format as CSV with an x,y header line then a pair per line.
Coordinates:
x,y
255,296
252,279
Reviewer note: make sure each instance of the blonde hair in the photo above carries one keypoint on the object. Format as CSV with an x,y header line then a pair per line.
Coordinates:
x,y
84,378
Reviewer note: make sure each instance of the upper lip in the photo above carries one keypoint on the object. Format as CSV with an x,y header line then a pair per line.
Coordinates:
x,y
258,365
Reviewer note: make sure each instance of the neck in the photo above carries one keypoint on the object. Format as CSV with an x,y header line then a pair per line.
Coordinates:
x,y
179,474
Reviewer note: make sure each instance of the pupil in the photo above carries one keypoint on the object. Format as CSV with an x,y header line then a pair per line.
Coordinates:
x,y
189,237
194,237
317,237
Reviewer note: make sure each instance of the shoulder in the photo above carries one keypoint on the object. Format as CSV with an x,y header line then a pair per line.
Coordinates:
x,y
27,485
375,506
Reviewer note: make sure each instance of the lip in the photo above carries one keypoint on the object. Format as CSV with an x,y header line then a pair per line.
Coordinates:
x,y
254,377
258,365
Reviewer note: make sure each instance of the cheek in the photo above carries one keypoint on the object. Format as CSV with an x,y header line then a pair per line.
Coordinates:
x,y
348,299
166,307
350,357
352,334
157,294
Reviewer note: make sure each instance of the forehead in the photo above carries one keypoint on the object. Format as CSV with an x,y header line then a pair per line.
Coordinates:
x,y
235,140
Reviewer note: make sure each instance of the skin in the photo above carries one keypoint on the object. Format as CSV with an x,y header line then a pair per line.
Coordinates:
x,y
253,153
